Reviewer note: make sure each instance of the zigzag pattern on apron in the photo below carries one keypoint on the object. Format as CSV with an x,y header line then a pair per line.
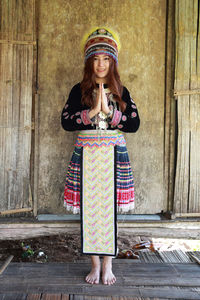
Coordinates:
x,y
98,201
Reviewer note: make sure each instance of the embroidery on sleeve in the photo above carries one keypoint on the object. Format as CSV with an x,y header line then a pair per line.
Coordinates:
x,y
116,118
133,114
85,117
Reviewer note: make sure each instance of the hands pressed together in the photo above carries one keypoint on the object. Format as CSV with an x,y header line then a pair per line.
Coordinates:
x,y
101,102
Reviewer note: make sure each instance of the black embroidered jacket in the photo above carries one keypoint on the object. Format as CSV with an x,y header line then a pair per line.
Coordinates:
x,y
75,115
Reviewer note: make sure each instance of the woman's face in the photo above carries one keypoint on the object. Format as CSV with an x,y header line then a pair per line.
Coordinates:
x,y
101,66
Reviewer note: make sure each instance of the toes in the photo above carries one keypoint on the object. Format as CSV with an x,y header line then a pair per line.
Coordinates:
x,y
114,280
90,280
108,279
104,281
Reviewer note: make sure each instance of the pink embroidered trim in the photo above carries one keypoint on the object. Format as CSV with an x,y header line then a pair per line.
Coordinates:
x,y
116,118
85,117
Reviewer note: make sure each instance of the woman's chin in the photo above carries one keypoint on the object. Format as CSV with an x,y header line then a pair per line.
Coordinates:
x,y
101,77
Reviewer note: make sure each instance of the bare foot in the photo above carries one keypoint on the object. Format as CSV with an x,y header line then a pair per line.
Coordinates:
x,y
93,276
107,275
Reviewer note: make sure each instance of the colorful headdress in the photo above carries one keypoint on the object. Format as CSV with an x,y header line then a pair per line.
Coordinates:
x,y
101,41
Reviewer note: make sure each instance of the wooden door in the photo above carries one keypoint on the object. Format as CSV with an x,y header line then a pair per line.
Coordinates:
x,y
187,92
16,61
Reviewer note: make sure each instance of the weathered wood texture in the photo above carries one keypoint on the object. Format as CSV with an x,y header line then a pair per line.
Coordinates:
x,y
170,229
142,61
169,136
143,280
79,297
187,78
5,264
16,62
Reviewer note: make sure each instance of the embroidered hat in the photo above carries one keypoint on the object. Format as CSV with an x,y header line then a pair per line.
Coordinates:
x,y
101,41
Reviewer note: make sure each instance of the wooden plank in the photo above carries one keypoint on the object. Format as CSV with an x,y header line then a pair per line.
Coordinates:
x,y
15,131
5,264
126,298
16,19
189,214
194,183
15,211
134,298
186,92
36,155
187,83
65,297
18,42
176,230
10,296
62,278
182,168
16,103
77,297
51,297
135,293
194,193
93,297
5,132
196,259
170,113
84,297
34,297
169,293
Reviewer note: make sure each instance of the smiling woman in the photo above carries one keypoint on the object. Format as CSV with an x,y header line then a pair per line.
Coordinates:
x,y
99,180
101,67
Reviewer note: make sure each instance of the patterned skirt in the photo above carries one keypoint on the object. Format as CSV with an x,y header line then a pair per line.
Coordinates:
x,y
123,177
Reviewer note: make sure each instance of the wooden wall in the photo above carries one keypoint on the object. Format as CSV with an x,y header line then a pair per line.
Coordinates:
x,y
142,26
146,68
187,92
145,64
17,39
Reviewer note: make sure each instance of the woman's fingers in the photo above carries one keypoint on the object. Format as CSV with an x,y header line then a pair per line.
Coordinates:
x,y
98,100
99,96
100,91
104,101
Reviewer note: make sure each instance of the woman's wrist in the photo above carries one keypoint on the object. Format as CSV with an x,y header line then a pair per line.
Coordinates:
x,y
92,113
107,111
110,113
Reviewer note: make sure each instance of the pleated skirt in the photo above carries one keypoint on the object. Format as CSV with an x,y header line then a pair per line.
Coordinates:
x,y
123,179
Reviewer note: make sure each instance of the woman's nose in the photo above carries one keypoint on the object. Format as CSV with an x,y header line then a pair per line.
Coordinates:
x,y
100,62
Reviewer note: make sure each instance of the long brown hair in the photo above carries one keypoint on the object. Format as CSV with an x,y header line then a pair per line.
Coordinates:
x,y
88,84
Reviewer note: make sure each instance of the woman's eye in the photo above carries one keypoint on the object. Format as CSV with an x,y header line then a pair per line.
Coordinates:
x,y
106,58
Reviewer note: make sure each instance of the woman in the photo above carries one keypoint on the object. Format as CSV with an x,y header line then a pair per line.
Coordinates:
x,y
99,179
